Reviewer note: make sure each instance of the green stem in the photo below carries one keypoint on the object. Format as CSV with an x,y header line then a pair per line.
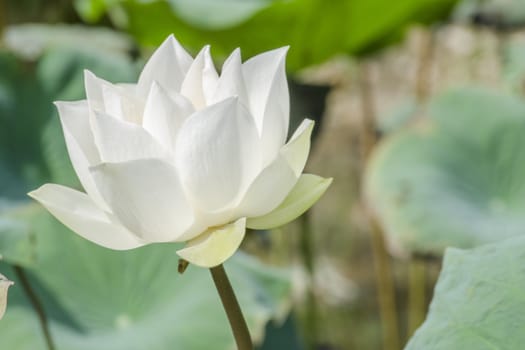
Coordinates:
x,y
37,305
232,308
307,252
385,289
3,17
416,294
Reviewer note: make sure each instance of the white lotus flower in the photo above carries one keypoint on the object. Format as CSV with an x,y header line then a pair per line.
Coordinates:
x,y
185,155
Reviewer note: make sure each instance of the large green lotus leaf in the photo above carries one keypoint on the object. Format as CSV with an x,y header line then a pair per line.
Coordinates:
x,y
93,10
23,112
32,40
21,160
457,179
18,238
514,65
478,301
314,29
96,298
212,14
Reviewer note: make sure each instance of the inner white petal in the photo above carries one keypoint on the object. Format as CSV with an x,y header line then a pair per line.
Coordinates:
x,y
164,115
217,154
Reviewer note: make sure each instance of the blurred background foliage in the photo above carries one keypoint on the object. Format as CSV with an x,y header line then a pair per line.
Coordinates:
x,y
420,120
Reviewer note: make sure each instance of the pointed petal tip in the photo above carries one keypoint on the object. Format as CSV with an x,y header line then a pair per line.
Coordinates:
x,y
155,84
234,57
236,52
5,282
297,149
156,88
35,194
204,53
172,41
310,126
32,194
310,123
60,105
282,51
322,183
9,283
89,74
278,55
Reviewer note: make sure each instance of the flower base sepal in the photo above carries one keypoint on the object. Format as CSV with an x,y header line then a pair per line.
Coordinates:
x,y
214,246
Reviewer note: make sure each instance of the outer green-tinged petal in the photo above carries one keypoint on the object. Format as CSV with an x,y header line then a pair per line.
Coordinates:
x,y
120,141
267,87
146,196
78,212
306,192
274,183
268,189
297,149
80,144
217,155
168,66
201,80
4,286
214,246
164,115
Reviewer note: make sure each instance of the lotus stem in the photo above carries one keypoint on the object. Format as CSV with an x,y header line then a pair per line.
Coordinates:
x,y
417,267
37,306
424,65
385,289
232,308
416,294
307,252
3,16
